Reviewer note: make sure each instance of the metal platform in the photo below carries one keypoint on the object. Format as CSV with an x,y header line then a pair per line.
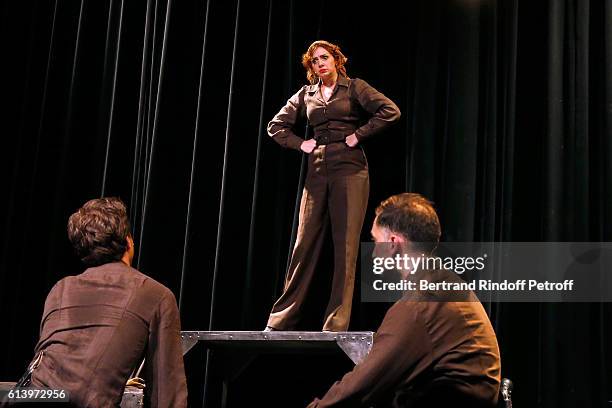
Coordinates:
x,y
236,350
356,345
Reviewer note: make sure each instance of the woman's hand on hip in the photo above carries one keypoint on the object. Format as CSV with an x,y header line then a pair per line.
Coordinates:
x,y
308,146
351,140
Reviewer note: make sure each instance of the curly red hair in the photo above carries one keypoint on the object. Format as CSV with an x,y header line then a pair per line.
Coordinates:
x,y
333,49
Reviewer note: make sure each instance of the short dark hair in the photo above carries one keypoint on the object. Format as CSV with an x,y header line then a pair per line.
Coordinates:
x,y
413,216
98,231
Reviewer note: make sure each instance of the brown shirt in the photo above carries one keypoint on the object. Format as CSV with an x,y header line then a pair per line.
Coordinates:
x,y
354,107
98,326
422,351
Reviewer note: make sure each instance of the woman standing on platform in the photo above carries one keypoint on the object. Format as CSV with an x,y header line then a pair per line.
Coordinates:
x,y
343,112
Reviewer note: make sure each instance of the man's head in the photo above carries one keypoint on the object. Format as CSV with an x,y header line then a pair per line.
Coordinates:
x,y
407,218
100,232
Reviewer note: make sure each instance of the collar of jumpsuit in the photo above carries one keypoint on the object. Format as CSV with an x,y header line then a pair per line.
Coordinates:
x,y
315,88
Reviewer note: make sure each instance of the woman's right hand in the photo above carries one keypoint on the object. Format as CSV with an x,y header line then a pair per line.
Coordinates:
x,y
308,146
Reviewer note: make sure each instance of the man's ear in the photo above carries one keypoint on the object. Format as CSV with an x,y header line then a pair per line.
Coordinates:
x,y
393,237
395,242
399,243
130,242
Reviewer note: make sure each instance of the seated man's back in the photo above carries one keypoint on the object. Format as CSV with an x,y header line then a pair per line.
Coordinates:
x,y
425,354
448,351
95,330
97,327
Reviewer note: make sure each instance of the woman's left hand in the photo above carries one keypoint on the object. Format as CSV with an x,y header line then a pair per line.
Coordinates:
x,y
351,140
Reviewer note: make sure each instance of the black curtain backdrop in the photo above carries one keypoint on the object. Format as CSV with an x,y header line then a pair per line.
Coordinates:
x,y
506,126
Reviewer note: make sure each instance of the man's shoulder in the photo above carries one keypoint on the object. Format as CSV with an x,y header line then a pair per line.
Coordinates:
x,y
124,275
151,284
404,312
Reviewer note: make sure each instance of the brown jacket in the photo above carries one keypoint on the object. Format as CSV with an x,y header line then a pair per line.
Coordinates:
x,y
354,107
425,354
98,326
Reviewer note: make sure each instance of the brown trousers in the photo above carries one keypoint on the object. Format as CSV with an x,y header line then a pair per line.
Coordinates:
x,y
337,186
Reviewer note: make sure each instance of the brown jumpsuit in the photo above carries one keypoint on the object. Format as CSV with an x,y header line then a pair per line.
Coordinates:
x,y
337,186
